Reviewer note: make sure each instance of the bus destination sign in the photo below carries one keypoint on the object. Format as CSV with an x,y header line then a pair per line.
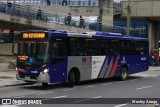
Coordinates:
x,y
33,35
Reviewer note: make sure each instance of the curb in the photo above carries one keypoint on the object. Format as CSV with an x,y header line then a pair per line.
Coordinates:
x,y
15,84
7,70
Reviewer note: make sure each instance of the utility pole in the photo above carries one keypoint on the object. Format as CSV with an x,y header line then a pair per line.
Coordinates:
x,y
100,10
128,18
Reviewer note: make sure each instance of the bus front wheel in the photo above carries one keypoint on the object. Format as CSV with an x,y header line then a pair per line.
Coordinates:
x,y
71,79
124,74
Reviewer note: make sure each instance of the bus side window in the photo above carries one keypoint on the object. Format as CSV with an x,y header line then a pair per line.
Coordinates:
x,y
76,46
125,47
54,50
132,48
90,47
103,47
58,49
143,48
114,47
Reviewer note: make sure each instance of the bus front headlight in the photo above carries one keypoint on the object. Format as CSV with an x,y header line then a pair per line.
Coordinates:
x,y
44,71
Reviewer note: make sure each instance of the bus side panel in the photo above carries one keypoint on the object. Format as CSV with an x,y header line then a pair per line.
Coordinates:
x,y
58,72
134,63
83,64
137,63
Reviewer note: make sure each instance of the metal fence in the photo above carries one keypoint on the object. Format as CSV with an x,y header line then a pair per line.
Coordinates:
x,y
55,2
52,17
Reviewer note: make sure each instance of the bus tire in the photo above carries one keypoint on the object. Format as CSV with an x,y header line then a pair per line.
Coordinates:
x,y
124,74
71,79
44,84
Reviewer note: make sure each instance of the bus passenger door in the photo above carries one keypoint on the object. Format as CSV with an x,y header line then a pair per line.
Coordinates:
x,y
58,61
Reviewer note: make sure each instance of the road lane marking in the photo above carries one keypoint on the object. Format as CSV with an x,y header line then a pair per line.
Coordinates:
x,y
145,78
82,100
60,96
19,97
89,86
120,82
97,97
69,89
106,84
134,80
58,90
120,105
155,76
143,87
44,93
86,99
9,106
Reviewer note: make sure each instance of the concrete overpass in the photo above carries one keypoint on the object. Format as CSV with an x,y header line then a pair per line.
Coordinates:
x,y
145,10
21,23
15,21
105,8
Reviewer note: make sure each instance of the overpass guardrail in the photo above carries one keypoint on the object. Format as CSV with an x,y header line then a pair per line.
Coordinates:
x,y
58,18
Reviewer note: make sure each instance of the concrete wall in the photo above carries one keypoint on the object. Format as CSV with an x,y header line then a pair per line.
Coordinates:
x,y
153,35
6,49
144,8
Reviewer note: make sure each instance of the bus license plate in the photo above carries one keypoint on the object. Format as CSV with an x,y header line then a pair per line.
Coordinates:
x,y
27,78
34,72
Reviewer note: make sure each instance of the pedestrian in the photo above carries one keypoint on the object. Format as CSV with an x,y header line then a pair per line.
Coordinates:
x,y
81,22
99,23
69,18
39,14
64,3
9,7
157,59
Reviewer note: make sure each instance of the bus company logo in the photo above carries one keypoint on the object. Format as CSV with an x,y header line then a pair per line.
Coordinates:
x,y
86,60
94,62
6,101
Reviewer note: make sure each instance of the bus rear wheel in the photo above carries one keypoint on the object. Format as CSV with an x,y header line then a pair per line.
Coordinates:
x,y
71,79
124,74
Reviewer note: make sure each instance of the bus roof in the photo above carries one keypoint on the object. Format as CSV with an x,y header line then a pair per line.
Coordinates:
x,y
106,35
98,34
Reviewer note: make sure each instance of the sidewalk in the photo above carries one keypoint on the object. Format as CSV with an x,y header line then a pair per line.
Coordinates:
x,y
154,68
8,76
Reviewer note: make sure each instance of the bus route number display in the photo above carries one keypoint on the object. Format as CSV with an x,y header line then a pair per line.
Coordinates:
x,y
33,35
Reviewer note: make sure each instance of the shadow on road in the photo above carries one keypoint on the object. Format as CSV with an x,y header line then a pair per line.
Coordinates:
x,y
38,86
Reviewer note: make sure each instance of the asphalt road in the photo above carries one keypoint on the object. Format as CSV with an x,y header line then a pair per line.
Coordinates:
x,y
119,93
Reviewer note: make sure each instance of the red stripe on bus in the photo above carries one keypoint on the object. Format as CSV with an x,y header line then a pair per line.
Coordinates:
x,y
114,68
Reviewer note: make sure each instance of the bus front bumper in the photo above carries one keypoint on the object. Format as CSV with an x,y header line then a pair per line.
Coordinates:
x,y
45,78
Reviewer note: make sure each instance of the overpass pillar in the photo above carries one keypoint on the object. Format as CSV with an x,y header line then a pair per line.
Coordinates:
x,y
153,35
106,11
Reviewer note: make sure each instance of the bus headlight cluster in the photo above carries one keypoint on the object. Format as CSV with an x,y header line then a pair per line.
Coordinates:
x,y
44,71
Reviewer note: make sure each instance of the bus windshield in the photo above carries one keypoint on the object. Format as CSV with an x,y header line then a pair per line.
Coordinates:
x,y
37,50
